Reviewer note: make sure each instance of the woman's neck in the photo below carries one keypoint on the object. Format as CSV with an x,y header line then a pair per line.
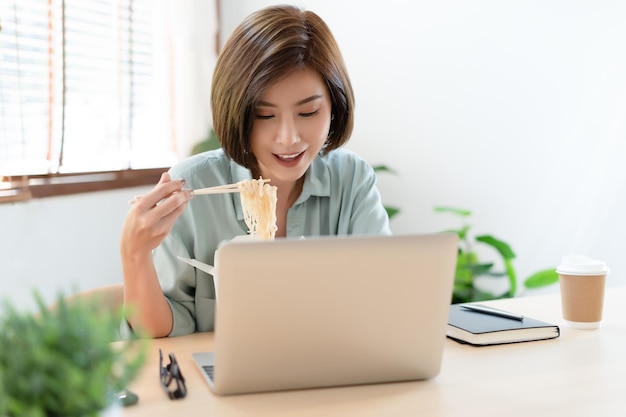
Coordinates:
x,y
287,194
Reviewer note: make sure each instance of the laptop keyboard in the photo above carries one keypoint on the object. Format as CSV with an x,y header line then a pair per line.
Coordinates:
x,y
208,369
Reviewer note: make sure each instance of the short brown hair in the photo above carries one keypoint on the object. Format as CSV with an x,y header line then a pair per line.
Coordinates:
x,y
264,48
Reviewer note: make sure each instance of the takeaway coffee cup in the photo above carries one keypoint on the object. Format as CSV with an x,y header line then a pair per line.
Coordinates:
x,y
582,281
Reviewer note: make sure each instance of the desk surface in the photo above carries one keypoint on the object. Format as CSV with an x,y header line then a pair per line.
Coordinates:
x,y
581,373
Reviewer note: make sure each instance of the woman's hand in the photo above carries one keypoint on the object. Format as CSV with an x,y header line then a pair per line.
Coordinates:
x,y
152,216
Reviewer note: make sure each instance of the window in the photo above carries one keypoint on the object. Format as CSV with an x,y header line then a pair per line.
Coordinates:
x,y
89,87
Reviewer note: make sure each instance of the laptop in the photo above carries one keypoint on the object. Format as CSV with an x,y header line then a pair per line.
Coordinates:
x,y
329,311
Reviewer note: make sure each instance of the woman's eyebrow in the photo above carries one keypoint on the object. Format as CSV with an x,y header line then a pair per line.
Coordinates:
x,y
308,99
262,103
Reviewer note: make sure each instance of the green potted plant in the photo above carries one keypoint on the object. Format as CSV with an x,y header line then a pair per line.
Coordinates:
x,y
60,361
470,268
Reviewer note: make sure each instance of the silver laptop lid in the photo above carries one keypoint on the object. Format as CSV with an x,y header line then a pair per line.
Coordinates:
x,y
331,311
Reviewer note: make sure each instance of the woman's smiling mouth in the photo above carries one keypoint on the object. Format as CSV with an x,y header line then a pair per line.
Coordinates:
x,y
289,157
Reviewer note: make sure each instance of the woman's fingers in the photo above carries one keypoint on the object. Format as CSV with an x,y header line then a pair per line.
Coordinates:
x,y
152,215
165,177
164,189
168,209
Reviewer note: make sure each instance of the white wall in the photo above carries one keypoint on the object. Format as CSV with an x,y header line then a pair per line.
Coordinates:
x,y
61,243
515,110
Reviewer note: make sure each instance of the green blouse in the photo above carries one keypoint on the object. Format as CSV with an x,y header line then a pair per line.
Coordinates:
x,y
339,197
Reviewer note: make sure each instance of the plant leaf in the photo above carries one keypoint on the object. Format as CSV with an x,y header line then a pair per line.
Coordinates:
x,y
542,278
462,232
480,269
383,168
391,211
510,271
502,247
453,210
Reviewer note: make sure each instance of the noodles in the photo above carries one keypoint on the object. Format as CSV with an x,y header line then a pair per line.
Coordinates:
x,y
258,201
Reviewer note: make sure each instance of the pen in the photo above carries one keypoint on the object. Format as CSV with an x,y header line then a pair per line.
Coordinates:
x,y
492,311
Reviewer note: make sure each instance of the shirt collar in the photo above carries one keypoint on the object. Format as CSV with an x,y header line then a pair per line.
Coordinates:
x,y
316,181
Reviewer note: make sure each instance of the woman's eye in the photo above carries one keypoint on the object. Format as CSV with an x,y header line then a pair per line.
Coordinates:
x,y
309,114
264,116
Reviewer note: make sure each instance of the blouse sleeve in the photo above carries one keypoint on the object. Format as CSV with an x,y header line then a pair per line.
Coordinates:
x,y
367,212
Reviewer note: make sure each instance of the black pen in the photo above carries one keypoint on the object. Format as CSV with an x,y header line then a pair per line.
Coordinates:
x,y
492,311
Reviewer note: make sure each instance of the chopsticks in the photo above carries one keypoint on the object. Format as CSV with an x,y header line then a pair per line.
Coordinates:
x,y
218,189
221,189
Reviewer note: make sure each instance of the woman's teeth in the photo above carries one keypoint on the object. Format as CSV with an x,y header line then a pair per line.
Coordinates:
x,y
289,157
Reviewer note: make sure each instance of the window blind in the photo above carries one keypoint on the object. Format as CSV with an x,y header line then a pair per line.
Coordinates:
x,y
83,87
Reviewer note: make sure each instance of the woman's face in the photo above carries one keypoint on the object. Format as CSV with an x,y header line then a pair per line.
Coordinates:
x,y
291,124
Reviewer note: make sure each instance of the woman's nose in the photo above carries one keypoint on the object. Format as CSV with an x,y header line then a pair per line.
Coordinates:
x,y
287,132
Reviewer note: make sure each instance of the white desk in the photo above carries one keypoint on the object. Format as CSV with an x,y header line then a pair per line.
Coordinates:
x,y
581,373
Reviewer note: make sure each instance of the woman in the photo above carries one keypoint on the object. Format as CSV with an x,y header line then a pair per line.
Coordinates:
x,y
282,107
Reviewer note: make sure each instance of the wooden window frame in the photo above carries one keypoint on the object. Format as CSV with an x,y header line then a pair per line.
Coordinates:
x,y
54,185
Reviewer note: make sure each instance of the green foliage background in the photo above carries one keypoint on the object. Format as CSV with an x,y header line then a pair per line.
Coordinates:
x,y
470,268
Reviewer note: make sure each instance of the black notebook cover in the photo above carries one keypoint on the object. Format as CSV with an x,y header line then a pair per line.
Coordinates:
x,y
480,329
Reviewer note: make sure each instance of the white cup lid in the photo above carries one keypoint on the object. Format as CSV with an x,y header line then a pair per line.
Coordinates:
x,y
581,265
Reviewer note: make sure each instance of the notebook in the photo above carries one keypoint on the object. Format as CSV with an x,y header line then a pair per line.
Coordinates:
x,y
329,311
489,326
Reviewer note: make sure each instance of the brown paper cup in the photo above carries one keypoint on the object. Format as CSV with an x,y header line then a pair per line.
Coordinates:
x,y
582,300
